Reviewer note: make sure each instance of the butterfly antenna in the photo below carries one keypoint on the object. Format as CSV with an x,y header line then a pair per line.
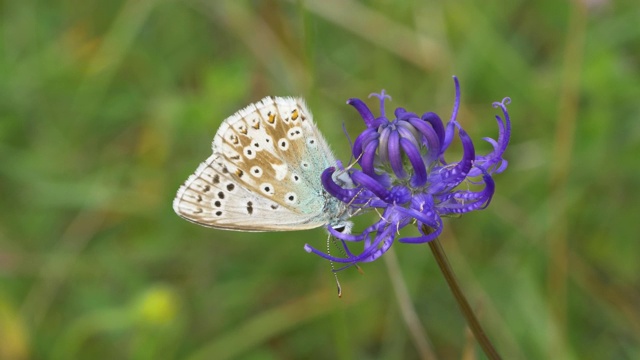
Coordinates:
x,y
352,163
344,130
343,253
380,215
333,269
360,209
351,203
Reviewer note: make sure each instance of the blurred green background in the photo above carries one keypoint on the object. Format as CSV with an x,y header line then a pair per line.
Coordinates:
x,y
107,106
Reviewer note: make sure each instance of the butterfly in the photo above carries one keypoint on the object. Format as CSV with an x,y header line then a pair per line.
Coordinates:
x,y
265,173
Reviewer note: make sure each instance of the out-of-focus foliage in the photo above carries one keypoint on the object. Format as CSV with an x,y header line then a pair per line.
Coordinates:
x,y
107,106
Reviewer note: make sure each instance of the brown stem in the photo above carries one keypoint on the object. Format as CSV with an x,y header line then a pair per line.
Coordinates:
x,y
472,321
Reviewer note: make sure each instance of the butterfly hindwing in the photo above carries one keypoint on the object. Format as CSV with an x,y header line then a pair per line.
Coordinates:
x,y
212,198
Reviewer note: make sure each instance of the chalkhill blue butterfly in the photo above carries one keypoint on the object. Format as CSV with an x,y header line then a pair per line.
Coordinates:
x,y
265,173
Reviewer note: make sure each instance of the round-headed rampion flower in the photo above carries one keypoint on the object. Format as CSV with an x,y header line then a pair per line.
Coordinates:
x,y
403,176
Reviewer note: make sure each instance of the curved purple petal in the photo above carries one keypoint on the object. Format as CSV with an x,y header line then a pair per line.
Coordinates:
x,y
456,104
371,184
433,233
504,135
419,177
364,111
383,150
395,156
386,238
344,195
371,252
368,157
436,124
451,176
456,204
358,144
409,132
402,114
347,237
431,138
310,249
448,137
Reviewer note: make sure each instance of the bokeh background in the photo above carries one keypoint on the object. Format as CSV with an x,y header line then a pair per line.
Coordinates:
x,y
107,106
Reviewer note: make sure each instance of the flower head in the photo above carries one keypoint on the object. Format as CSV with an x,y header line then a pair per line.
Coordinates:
x,y
404,176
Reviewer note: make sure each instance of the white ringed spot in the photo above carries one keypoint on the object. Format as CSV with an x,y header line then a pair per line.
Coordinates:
x,y
283,144
290,198
267,189
256,171
249,152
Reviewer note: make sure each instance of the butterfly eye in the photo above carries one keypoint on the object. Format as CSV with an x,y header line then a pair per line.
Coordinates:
x,y
340,228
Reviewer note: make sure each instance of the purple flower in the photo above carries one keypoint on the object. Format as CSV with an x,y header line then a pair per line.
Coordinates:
x,y
404,176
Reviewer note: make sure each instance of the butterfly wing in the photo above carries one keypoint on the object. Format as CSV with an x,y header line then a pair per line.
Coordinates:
x,y
264,173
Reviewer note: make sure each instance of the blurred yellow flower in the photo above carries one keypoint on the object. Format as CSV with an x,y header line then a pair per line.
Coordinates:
x,y
157,306
14,342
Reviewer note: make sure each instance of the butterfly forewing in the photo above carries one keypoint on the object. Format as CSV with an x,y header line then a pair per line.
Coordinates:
x,y
264,173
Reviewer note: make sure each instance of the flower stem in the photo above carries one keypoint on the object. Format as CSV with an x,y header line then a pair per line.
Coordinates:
x,y
472,321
